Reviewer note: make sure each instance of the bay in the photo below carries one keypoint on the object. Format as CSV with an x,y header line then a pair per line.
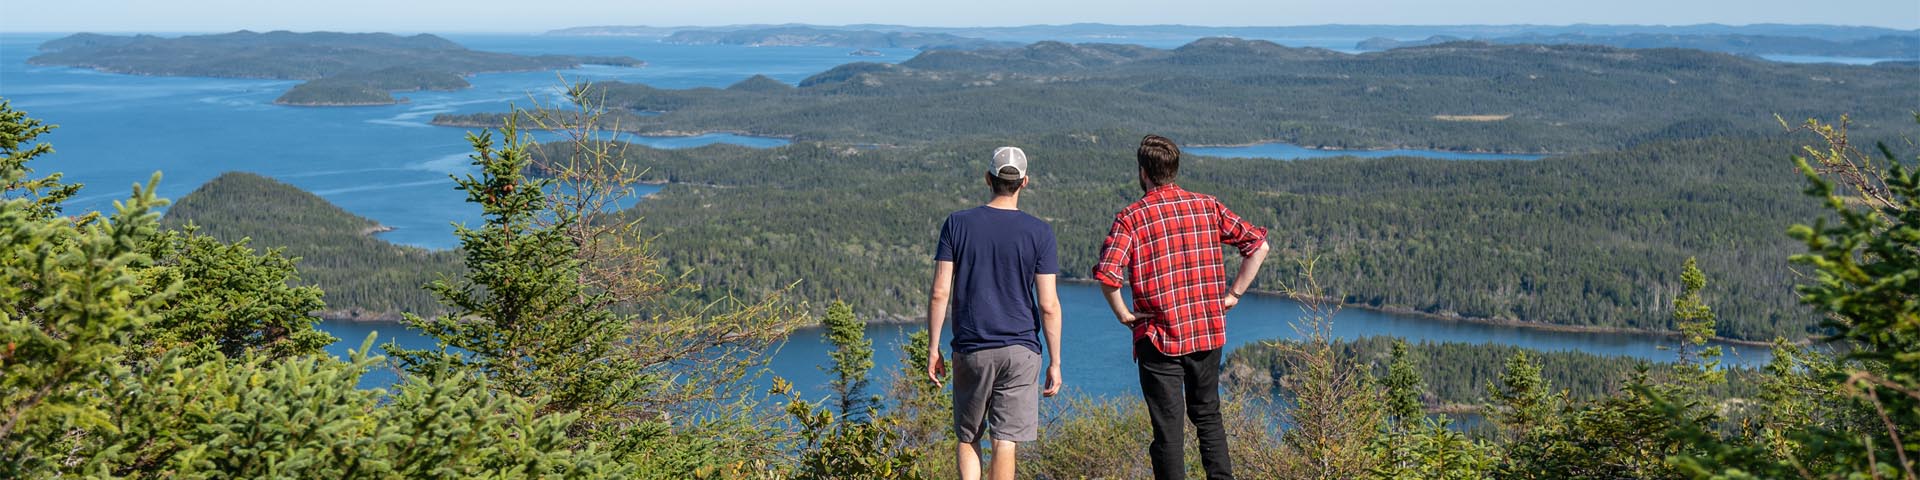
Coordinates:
x,y
1096,355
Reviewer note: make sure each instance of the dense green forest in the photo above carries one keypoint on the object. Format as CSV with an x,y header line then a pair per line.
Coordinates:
x,y
363,276
1457,374
1582,240
1567,98
341,68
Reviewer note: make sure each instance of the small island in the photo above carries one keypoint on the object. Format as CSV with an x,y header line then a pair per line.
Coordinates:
x,y
340,69
866,53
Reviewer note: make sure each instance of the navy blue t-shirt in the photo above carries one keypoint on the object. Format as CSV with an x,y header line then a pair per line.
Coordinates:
x,y
995,254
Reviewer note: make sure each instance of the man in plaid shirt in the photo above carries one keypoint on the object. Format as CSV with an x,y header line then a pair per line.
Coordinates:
x,y
1168,245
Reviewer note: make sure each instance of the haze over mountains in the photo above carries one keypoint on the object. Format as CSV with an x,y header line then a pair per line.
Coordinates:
x,y
1763,39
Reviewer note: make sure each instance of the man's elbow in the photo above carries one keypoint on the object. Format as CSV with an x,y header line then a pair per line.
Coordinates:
x,y
1260,251
938,296
1050,310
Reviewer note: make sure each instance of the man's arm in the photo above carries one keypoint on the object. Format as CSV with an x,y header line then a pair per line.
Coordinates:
x,y
1121,310
1050,323
938,298
1249,268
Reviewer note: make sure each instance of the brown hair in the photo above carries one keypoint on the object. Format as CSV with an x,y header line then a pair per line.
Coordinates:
x,y
1160,158
1003,187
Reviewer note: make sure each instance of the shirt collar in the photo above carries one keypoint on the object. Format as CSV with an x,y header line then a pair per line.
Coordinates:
x,y
1163,189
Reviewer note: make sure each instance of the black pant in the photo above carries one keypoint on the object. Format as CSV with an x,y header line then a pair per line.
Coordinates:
x,y
1191,383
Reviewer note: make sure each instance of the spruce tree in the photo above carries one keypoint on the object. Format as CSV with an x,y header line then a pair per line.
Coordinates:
x,y
852,358
1403,385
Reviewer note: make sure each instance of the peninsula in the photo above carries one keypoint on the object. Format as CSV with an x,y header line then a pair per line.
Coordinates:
x,y
341,69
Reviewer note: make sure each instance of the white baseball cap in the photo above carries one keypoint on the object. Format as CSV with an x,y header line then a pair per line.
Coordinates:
x,y
1004,157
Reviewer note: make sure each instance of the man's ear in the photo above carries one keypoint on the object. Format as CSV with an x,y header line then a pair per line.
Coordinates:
x,y
1023,183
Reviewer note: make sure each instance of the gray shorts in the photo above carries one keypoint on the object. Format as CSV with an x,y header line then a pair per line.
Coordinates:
x,y
997,386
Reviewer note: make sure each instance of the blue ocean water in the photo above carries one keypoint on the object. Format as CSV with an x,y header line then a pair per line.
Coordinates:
x,y
382,162
388,164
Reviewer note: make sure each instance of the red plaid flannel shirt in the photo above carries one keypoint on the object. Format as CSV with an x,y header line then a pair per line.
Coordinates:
x,y
1168,244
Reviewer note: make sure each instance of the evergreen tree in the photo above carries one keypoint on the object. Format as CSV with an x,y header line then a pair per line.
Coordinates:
x,y
1697,365
229,300
43,195
1403,384
852,357
521,315
1523,403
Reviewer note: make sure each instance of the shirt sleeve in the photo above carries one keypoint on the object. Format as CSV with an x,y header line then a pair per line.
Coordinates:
x,y
1115,251
1048,260
1237,232
944,252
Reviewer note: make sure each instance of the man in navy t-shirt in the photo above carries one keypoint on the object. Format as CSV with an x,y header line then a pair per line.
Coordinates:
x,y
996,268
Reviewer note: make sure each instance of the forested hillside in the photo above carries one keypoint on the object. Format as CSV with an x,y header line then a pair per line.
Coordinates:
x,y
364,277
1457,374
1566,98
1583,240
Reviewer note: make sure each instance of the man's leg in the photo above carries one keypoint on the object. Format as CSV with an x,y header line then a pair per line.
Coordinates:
x,y
1203,408
1014,410
1160,380
1004,455
967,460
972,387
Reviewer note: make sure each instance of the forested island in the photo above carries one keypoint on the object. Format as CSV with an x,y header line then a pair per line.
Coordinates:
x,y
800,36
364,277
1884,46
341,69
1562,98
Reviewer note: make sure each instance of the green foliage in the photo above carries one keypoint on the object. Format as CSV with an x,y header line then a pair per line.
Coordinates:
x,y
852,358
1696,366
521,316
1454,375
1851,415
844,447
1403,385
922,410
303,417
228,300
73,295
1522,403
1620,436
17,147
1432,450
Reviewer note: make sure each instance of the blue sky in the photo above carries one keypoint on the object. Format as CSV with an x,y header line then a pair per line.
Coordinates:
x,y
540,15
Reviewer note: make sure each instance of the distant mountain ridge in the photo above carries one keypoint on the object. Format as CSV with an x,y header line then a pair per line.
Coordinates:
x,y
1099,32
342,68
817,37
1885,46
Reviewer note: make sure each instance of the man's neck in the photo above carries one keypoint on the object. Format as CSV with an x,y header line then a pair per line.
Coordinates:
x,y
1005,202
